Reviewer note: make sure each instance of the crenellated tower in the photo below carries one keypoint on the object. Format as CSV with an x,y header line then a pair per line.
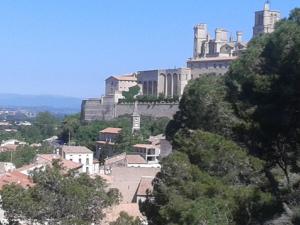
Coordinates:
x,y
265,20
200,40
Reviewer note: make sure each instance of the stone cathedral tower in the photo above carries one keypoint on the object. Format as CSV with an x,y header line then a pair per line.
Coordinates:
x,y
200,40
265,20
136,119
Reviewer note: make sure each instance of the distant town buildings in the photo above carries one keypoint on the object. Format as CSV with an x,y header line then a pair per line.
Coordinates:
x,y
106,142
265,20
211,55
11,145
40,161
148,151
115,85
15,177
82,155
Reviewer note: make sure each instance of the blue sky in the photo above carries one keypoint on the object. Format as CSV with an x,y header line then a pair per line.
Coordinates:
x,y
68,47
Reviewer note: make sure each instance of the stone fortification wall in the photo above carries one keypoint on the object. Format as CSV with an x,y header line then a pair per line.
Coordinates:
x,y
148,109
92,109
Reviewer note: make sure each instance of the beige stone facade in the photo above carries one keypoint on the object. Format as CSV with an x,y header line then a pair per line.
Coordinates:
x,y
115,85
214,56
106,143
211,55
265,20
168,82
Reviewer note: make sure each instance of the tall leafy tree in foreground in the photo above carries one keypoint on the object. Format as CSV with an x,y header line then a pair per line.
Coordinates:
x,y
203,106
58,198
125,219
209,180
264,90
131,93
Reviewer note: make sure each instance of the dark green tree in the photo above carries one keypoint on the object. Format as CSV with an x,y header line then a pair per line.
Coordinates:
x,y
125,219
59,199
264,91
131,93
210,180
24,154
203,106
45,125
69,127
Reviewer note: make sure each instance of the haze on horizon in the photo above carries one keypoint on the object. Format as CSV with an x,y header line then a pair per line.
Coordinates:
x,y
69,47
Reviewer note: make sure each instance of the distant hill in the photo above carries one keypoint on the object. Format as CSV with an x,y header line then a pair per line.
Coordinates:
x,y
41,102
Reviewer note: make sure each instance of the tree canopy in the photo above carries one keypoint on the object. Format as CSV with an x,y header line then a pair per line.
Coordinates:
x,y
264,90
209,180
131,93
125,219
86,134
203,106
236,141
57,198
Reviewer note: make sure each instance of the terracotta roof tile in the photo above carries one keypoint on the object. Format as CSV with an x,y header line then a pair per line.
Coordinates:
x,y
8,148
66,164
15,177
111,130
115,159
145,185
46,160
144,146
135,159
76,149
127,77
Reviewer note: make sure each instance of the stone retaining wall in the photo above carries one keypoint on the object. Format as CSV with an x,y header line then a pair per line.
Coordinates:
x,y
92,109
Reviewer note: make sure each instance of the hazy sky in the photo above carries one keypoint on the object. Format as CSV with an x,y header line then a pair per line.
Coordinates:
x,y
68,47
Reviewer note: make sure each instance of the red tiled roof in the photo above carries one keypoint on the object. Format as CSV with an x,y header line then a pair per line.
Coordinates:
x,y
127,77
28,167
115,159
46,160
111,130
8,148
47,157
135,159
66,164
144,146
76,150
70,165
15,177
145,185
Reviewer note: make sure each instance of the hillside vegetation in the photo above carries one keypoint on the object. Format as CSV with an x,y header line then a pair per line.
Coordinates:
x,y
237,141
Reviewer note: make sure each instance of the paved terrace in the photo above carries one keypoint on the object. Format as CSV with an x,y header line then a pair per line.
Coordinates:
x,y
127,180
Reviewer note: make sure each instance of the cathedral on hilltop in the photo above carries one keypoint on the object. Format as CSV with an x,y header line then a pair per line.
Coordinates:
x,y
211,55
265,20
